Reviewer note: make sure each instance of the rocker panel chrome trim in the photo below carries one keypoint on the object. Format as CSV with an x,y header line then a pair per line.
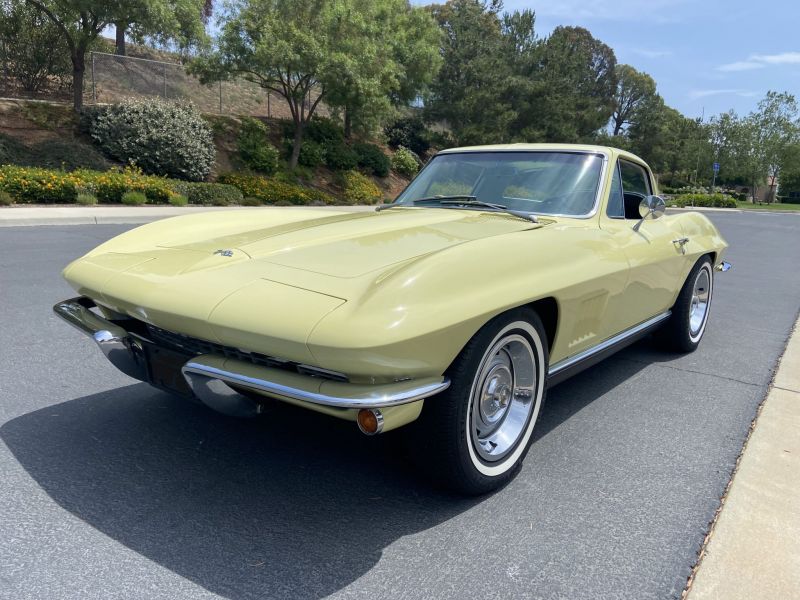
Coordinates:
x,y
607,344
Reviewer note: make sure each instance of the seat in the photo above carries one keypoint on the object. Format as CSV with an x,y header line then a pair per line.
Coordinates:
x,y
632,202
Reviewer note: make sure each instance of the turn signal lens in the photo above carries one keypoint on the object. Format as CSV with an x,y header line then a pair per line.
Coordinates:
x,y
370,421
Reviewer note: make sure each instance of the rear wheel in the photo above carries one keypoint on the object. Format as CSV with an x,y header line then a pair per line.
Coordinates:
x,y
478,431
686,326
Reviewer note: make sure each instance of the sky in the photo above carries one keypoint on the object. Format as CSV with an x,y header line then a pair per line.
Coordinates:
x,y
705,55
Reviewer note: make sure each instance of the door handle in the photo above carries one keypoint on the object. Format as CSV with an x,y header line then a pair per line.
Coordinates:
x,y
682,243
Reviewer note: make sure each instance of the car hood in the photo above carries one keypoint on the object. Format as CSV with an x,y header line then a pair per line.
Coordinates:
x,y
352,244
230,277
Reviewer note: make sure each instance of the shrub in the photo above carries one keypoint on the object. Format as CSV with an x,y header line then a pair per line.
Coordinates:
x,y
35,185
372,159
112,185
86,199
271,191
159,137
250,201
178,200
360,189
312,154
324,131
341,157
32,185
209,194
405,162
134,198
255,151
6,199
441,139
408,132
704,201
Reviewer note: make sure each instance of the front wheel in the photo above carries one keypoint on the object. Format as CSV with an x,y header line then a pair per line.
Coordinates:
x,y
685,328
478,431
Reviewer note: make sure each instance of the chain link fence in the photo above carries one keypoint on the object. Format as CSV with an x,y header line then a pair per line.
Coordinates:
x,y
112,78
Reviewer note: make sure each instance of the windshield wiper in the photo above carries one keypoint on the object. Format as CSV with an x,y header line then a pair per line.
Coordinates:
x,y
465,200
428,199
498,207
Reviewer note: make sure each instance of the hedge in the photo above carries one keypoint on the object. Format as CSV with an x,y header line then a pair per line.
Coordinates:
x,y
29,185
704,201
209,194
32,185
270,191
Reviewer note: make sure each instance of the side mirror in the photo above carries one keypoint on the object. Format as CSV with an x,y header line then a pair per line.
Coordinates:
x,y
653,207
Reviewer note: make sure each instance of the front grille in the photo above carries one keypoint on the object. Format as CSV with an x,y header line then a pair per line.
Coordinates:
x,y
196,346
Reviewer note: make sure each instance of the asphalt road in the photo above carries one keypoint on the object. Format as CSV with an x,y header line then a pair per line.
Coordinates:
x,y
110,489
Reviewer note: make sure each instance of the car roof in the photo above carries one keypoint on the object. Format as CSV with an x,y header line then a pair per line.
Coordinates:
x,y
608,150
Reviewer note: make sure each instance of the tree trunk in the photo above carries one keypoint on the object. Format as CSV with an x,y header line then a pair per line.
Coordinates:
x,y
348,124
296,144
618,123
119,48
78,71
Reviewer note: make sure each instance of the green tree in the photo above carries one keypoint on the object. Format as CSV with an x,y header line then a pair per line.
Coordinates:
x,y
308,51
776,123
469,92
162,21
81,22
392,52
33,50
634,89
576,87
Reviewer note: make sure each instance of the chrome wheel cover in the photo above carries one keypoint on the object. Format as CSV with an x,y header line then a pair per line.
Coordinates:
x,y
503,397
700,302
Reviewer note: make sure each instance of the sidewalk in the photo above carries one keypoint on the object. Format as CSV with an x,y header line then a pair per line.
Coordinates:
x,y
101,215
753,550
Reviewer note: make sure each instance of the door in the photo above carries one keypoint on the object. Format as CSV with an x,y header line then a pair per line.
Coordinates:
x,y
655,257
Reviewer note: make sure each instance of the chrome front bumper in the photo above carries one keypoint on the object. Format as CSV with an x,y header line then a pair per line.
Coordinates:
x,y
217,380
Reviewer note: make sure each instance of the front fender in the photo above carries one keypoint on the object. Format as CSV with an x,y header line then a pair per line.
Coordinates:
x,y
413,321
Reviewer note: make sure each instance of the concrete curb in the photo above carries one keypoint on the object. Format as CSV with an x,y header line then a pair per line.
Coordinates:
x,y
124,215
753,547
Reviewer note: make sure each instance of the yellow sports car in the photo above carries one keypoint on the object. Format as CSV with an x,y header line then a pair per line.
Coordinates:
x,y
498,271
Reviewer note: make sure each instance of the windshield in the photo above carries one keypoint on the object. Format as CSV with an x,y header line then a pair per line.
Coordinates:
x,y
554,183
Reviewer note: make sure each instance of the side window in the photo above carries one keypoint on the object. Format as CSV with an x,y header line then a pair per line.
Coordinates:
x,y
616,203
635,186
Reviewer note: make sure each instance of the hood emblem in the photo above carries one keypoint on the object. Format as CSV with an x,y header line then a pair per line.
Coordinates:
x,y
224,252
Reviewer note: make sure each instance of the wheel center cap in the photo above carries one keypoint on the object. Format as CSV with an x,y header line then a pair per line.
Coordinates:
x,y
497,394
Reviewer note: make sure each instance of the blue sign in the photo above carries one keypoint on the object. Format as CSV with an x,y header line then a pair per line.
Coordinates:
x,y
716,167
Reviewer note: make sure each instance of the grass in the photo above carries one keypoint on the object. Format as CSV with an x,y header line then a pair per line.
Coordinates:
x,y
771,207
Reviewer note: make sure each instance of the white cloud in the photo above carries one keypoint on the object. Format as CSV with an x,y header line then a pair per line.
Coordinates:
x,y
759,61
742,65
696,94
786,58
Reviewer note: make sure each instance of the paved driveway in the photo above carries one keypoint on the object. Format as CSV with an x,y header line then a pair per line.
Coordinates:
x,y
110,489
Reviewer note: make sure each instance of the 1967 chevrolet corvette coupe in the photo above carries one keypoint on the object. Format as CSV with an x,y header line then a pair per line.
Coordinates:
x,y
499,270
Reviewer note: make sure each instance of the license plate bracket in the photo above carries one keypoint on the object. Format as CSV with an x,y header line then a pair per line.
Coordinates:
x,y
164,369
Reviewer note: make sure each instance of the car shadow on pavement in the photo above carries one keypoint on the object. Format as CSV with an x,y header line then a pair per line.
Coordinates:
x,y
290,505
